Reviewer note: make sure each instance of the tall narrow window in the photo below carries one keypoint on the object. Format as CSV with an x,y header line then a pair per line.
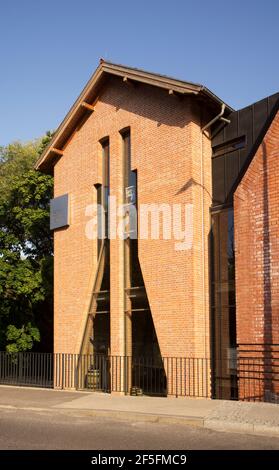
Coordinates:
x,y
127,160
101,294
99,218
103,197
130,186
105,146
223,304
141,341
96,339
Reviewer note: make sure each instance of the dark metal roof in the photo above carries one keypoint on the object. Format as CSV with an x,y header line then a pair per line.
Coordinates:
x,y
235,144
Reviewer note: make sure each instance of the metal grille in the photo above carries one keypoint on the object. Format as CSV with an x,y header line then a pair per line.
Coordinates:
x,y
29,369
256,374
131,375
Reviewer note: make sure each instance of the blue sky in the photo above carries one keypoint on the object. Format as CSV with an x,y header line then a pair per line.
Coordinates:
x,y
49,49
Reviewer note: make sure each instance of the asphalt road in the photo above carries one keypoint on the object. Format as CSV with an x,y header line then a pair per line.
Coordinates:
x,y
27,429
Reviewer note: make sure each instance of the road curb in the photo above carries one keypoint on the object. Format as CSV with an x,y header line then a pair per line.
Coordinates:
x,y
194,421
117,414
246,428
146,417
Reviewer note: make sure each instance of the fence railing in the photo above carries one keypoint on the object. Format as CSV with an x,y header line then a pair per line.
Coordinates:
x,y
258,372
254,378
29,369
131,375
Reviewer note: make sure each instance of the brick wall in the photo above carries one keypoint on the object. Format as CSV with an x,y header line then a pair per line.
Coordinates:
x,y
173,161
257,249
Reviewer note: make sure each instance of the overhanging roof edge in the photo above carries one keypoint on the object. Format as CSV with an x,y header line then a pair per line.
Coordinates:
x,y
134,74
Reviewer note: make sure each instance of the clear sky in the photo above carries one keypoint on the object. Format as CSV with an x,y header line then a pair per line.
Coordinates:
x,y
49,49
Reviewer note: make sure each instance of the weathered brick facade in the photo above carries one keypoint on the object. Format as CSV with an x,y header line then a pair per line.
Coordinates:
x,y
257,252
171,152
173,162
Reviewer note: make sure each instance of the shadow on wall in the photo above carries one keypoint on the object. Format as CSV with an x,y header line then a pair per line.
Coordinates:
x,y
172,113
192,182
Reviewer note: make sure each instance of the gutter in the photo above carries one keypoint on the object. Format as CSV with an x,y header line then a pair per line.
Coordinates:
x,y
219,116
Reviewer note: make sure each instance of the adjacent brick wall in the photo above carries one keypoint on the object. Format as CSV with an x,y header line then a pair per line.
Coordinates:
x,y
256,203
173,161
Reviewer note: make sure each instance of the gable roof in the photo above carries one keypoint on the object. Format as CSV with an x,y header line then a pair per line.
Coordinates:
x,y
85,103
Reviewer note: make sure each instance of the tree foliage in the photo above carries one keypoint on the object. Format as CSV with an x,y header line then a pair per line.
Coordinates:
x,y
26,253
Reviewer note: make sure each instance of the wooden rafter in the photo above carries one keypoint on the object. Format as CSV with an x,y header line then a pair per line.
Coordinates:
x,y
57,151
88,106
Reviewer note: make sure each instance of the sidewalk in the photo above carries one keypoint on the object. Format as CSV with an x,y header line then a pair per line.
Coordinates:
x,y
258,418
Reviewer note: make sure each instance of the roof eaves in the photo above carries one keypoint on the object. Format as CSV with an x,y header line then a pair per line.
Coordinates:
x,y
152,78
82,97
132,74
212,95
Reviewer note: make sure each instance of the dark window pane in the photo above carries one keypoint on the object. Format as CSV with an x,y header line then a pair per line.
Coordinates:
x,y
223,302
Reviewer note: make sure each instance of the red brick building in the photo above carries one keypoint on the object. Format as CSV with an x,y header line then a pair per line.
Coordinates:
x,y
142,140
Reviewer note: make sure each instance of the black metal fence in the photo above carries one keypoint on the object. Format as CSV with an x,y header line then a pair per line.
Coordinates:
x,y
136,376
29,369
255,377
258,372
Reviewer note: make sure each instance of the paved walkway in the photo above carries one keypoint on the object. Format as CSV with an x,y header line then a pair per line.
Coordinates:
x,y
259,418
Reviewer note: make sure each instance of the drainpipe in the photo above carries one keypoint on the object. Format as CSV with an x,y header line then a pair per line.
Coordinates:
x,y
220,115
212,121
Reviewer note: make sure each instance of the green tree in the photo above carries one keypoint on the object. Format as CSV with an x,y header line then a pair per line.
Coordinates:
x,y
26,253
